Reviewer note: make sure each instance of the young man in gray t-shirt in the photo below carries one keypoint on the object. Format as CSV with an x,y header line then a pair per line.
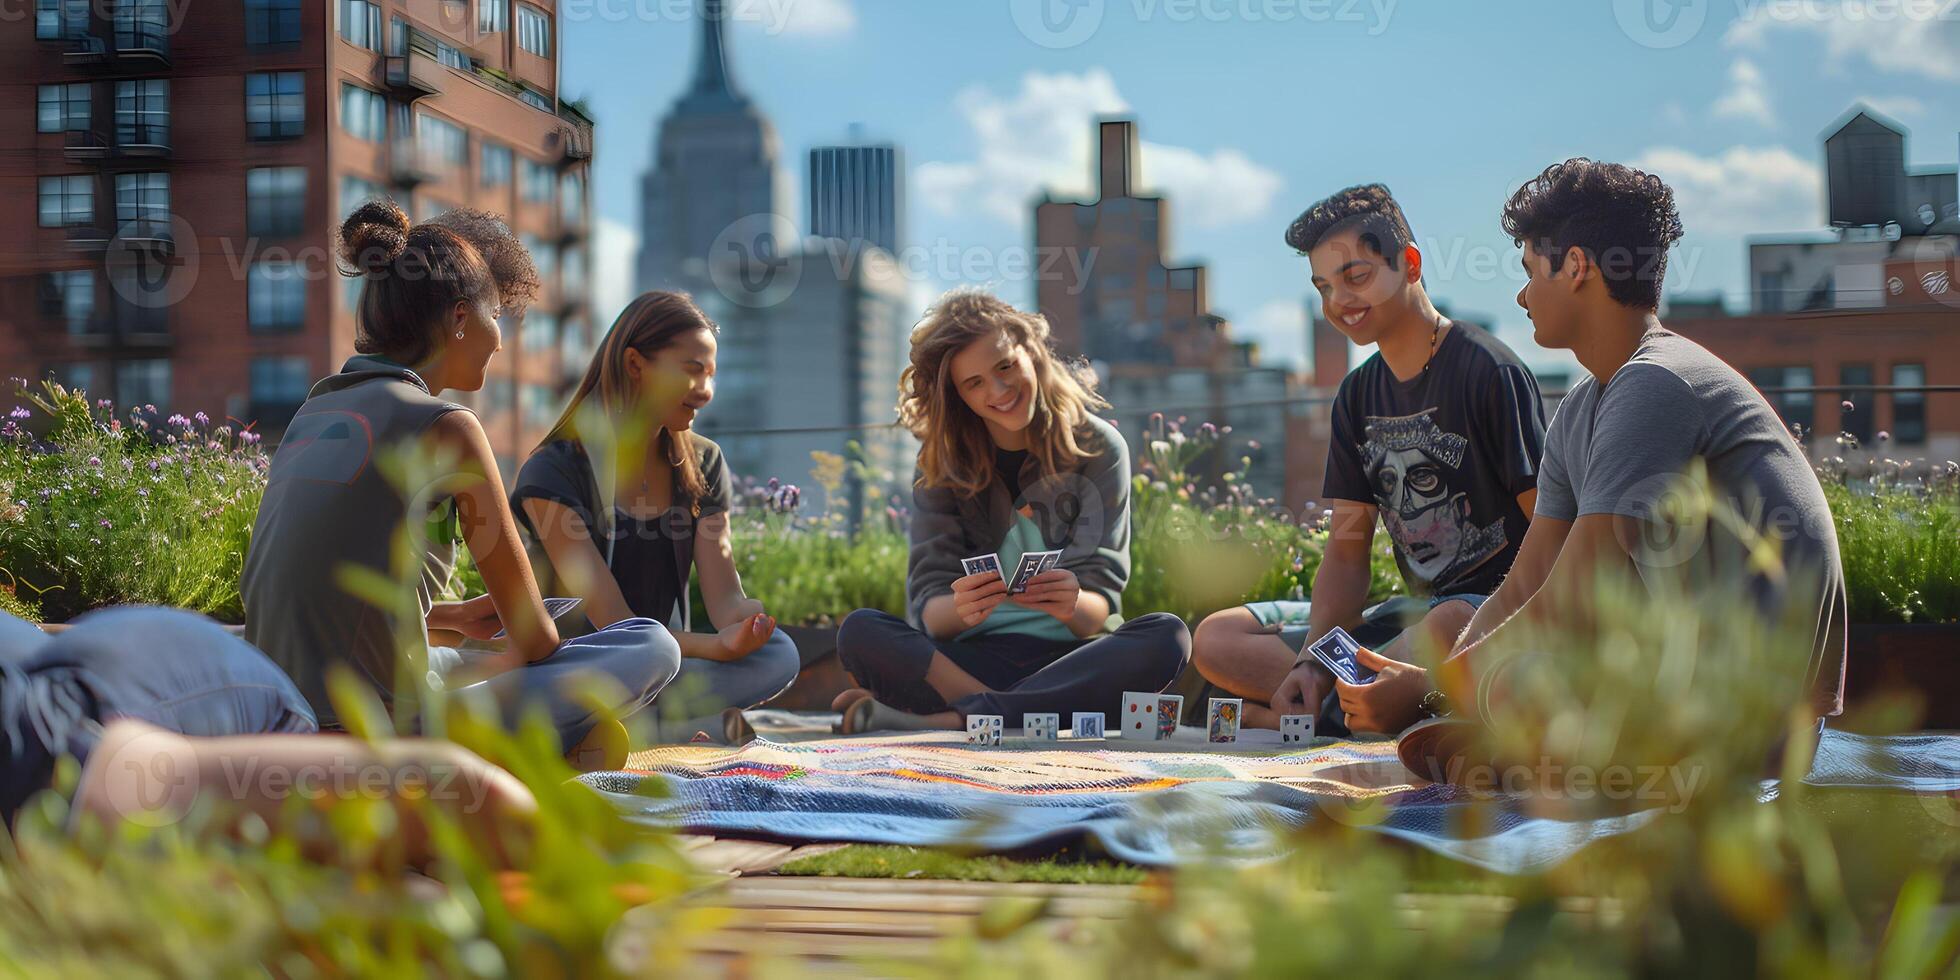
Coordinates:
x,y
1595,239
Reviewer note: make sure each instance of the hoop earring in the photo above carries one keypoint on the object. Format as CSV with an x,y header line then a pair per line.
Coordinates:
x,y
459,333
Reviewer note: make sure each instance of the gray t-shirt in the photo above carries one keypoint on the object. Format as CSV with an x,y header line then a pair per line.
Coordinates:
x,y
1620,449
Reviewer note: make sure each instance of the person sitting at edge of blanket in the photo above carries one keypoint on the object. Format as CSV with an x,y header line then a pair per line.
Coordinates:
x,y
431,297
663,513
1595,239
1011,460
1438,433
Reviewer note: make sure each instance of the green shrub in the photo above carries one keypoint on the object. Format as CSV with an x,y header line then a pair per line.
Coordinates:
x,y
97,510
1901,551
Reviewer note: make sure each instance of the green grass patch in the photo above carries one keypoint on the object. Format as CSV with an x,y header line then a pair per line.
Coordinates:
x,y
883,861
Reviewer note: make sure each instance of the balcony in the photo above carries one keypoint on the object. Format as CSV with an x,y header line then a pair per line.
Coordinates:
x,y
143,41
409,165
142,140
415,75
84,144
126,326
150,236
573,228
85,49
573,142
87,238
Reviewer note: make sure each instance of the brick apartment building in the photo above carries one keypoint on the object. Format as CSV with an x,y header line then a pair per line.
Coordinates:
x,y
169,205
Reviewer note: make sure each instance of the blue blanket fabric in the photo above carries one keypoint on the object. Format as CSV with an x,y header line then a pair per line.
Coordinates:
x,y
1154,808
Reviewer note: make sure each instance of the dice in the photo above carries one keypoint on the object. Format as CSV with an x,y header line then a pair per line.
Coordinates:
x,y
1045,726
1088,724
983,729
1296,729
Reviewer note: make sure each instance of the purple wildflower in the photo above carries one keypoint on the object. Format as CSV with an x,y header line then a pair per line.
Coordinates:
x,y
202,419
20,412
95,462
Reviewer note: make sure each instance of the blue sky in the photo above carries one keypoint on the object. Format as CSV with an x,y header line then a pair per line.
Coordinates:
x,y
1251,109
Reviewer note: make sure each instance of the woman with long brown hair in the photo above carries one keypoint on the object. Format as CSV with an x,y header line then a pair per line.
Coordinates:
x,y
1012,460
623,500
431,296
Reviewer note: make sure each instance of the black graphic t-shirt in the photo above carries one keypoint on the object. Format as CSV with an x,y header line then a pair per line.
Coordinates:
x,y
1444,456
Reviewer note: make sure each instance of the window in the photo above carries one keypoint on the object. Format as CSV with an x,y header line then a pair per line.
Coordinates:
x,y
275,296
363,114
496,395
279,385
360,24
540,409
67,201
540,331
75,375
397,36
1909,407
269,22
355,191
143,112
62,108
538,183
275,104
534,100
571,278
442,142
56,20
144,382
1857,422
71,296
496,165
1797,408
571,199
541,254
275,201
427,208
452,57
143,197
142,25
534,30
492,16
139,291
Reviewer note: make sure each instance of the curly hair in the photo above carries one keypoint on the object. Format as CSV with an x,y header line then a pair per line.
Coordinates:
x,y
415,273
1369,207
1624,219
955,451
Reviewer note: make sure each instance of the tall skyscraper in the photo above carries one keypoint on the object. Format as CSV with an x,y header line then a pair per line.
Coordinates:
x,y
857,194
714,166
168,214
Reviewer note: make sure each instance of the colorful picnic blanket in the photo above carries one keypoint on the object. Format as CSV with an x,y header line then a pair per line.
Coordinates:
x,y
1152,803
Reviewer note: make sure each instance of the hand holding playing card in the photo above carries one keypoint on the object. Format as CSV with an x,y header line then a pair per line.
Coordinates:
x,y
975,596
475,618
746,636
1389,703
1054,592
1303,689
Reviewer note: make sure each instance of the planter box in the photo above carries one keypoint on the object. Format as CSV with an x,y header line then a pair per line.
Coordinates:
x,y
1921,661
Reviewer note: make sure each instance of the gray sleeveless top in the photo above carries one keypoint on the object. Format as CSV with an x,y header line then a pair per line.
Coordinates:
x,y
330,504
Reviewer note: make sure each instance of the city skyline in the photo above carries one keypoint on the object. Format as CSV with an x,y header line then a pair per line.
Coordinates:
x,y
996,112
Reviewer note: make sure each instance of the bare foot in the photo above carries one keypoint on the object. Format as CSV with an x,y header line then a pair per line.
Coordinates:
x,y
848,698
868,715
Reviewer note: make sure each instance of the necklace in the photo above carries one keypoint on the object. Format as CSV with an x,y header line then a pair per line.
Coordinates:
x,y
1435,332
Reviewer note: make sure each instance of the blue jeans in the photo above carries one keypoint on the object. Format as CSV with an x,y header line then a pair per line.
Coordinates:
x,y
173,669
623,666
693,703
1380,624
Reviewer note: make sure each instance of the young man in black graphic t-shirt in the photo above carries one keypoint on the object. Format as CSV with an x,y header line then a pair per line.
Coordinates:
x,y
1437,435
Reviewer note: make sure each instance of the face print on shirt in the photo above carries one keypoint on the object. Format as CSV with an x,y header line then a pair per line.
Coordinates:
x,y
1415,469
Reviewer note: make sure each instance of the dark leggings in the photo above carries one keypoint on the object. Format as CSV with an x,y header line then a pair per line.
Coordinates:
x,y
1022,673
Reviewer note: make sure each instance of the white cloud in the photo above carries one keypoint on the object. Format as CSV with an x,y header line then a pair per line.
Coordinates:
x,y
812,18
1747,97
615,249
1894,105
1042,138
1920,37
1280,327
1742,190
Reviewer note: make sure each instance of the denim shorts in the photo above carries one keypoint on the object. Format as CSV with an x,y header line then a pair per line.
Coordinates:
x,y
1380,623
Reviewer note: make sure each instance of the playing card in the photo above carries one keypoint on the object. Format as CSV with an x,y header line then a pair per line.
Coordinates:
x,y
1337,651
981,563
1031,564
1222,719
1296,729
1088,724
1169,708
984,729
1139,718
554,607
1045,725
